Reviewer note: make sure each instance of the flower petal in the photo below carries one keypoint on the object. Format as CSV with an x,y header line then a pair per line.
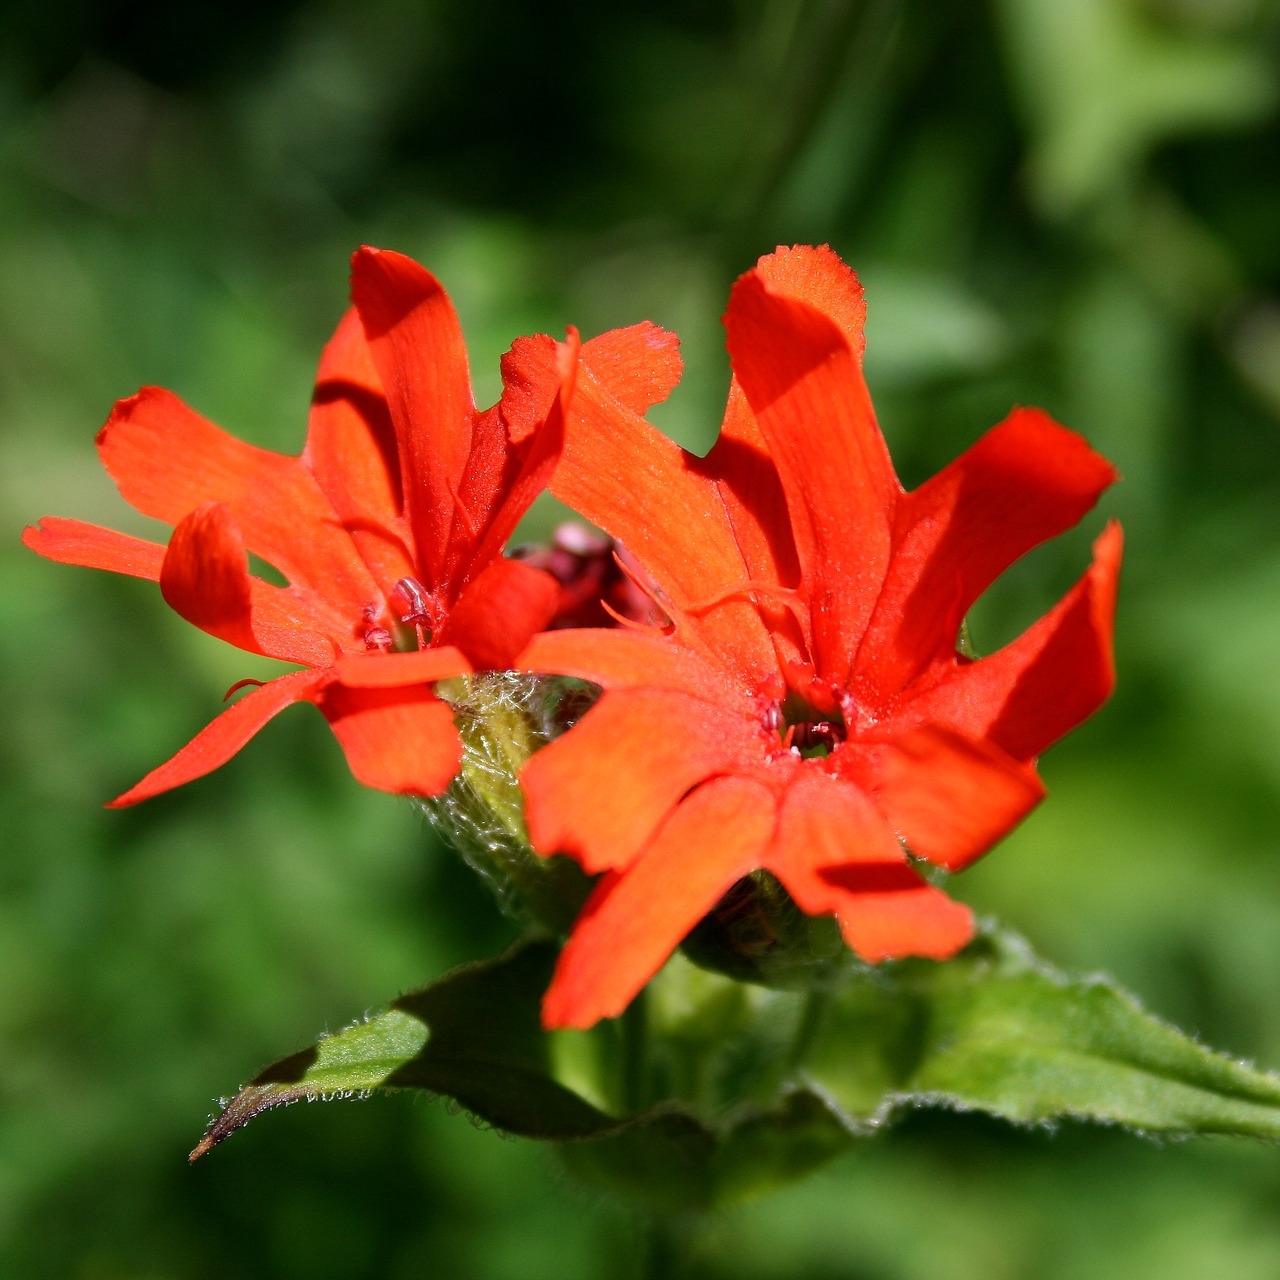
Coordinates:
x,y
167,460
418,350
790,344
886,913
622,474
532,378
1024,697
819,277
747,485
640,364
394,670
205,579
950,797
835,854
205,576
634,920
1025,481
599,793
219,740
498,613
627,660
351,452
75,542
827,821
399,740
497,490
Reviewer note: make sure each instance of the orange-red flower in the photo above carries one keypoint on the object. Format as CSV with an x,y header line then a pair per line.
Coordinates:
x,y
807,711
389,526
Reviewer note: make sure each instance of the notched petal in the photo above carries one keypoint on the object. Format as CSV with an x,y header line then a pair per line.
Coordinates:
x,y
499,612
635,920
205,575
638,366
219,740
1027,695
951,797
399,740
818,277
90,545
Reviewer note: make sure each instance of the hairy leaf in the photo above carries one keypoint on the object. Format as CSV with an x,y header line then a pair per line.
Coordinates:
x,y
473,1036
775,1083
997,1031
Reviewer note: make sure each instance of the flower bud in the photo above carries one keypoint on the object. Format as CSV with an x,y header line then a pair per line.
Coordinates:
x,y
502,718
756,933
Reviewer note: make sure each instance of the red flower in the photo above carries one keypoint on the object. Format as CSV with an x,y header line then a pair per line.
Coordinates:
x,y
391,521
808,712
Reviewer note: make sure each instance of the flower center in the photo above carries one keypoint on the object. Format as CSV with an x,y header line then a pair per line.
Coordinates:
x,y
417,608
377,639
803,730
414,607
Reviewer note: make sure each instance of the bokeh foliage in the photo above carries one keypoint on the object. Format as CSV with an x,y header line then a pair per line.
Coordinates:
x,y
1071,205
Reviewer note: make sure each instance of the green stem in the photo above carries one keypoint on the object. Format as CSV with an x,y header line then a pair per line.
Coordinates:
x,y
812,1016
634,1025
666,1249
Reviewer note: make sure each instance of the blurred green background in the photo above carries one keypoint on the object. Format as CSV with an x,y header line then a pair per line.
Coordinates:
x,y
1075,205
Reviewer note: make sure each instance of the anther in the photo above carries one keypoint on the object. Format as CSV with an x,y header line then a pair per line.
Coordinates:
x,y
816,733
376,636
410,591
417,612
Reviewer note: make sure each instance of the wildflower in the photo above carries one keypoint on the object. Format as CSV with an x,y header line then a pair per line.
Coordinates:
x,y
806,711
389,529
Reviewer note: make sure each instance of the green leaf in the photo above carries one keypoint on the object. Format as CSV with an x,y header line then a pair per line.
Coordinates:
x,y
473,1036
662,1159
995,1030
745,1089
766,1150
670,1161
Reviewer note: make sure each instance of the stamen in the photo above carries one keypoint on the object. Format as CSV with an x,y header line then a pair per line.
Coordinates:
x,y
376,636
816,735
650,628
771,718
410,591
798,727
242,684
760,594
648,590
418,611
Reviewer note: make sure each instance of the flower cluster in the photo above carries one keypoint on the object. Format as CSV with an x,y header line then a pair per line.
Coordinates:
x,y
774,628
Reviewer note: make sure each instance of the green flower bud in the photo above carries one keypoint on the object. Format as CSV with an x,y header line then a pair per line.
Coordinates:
x,y
756,933
503,718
